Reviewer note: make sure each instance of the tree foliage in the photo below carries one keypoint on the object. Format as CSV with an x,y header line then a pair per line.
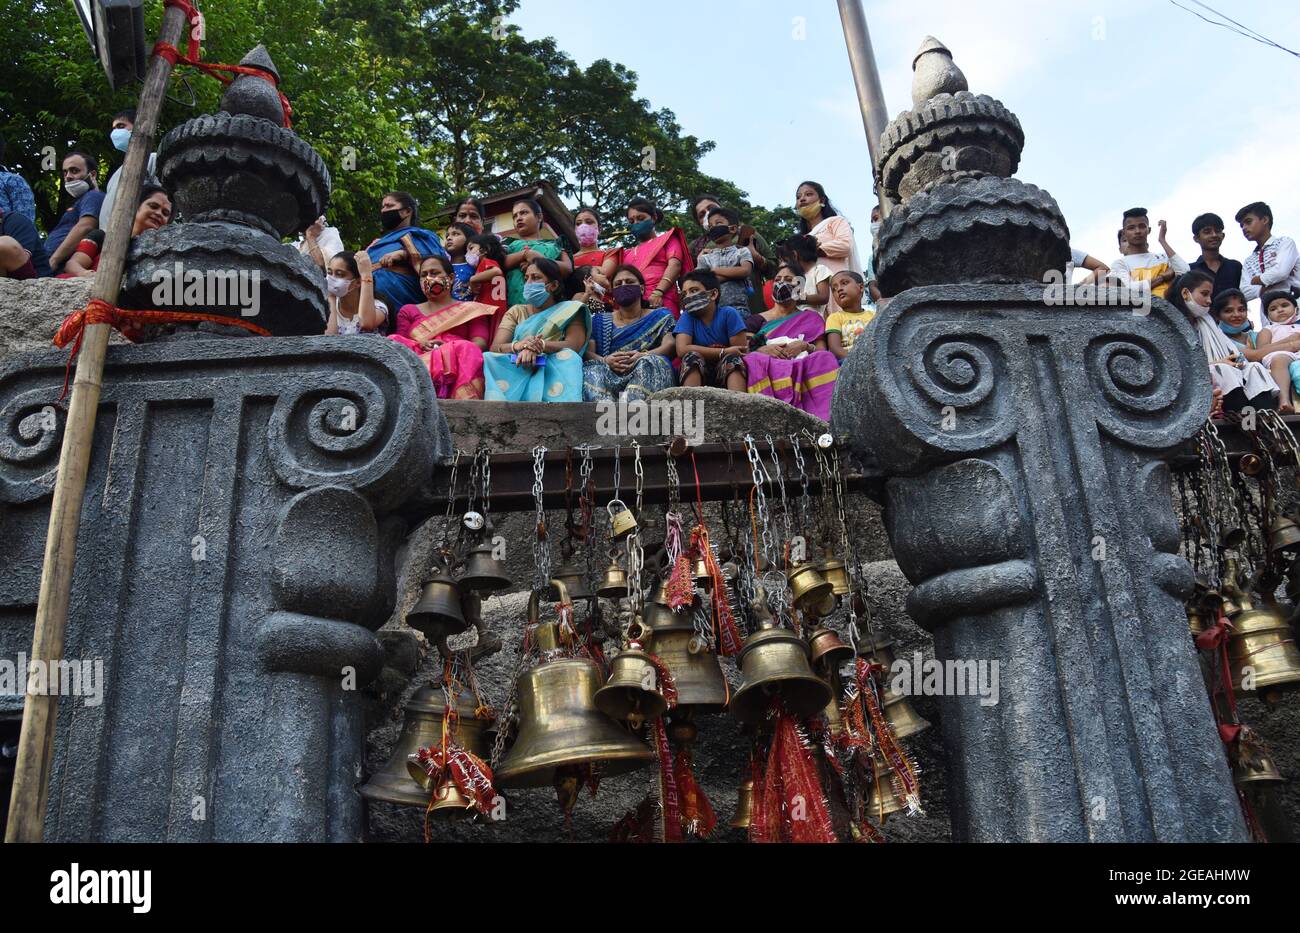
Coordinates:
x,y
430,96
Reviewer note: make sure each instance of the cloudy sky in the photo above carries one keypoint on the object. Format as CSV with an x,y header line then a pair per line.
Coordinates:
x,y
1124,102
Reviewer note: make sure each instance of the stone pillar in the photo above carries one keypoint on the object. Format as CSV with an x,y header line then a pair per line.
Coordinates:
x,y
1028,502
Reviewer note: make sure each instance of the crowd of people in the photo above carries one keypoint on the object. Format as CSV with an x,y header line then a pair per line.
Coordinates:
x,y
529,316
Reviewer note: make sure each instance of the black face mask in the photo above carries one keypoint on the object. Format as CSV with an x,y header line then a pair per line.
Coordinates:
x,y
388,220
719,233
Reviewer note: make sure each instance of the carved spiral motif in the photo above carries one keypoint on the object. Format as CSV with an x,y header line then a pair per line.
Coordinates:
x,y
31,429
331,433
1139,388
1133,376
955,372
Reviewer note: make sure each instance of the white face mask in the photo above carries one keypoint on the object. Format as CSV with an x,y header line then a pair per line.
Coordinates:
x,y
77,188
1197,308
875,225
336,286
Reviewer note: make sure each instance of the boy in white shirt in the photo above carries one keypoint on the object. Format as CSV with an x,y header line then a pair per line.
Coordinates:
x,y
1273,264
1139,264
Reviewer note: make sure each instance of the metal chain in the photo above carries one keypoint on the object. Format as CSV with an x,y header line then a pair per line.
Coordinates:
x,y
635,553
805,500
451,500
759,475
541,544
779,474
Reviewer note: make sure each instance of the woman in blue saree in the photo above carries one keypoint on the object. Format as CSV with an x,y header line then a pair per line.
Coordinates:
x,y
537,352
399,250
631,346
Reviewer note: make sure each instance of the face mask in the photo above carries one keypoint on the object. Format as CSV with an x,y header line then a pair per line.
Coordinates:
x,y
810,211
626,295
121,137
587,234
643,228
77,188
1199,310
1290,319
719,233
472,259
434,287
696,303
1229,329
336,286
782,292
388,220
875,227
535,294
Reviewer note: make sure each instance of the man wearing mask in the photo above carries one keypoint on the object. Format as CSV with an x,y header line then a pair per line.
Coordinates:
x,y
81,185
399,250
120,135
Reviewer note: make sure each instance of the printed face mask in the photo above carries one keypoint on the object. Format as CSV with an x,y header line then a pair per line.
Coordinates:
x,y
587,234
696,303
782,291
338,287
434,287
643,228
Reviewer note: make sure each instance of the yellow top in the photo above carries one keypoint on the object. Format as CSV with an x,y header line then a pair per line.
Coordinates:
x,y
849,324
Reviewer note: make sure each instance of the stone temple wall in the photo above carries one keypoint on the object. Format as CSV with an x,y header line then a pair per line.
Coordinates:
x,y
30,313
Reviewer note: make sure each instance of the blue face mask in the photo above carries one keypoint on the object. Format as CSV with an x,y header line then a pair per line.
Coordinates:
x,y
121,137
535,294
1229,329
643,228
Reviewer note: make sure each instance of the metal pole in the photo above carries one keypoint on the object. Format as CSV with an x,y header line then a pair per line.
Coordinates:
x,y
31,788
866,79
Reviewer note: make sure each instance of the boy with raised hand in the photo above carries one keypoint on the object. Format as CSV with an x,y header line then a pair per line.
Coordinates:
x,y
1158,270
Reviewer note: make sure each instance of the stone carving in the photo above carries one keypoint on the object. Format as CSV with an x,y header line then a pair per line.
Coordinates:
x,y
1028,502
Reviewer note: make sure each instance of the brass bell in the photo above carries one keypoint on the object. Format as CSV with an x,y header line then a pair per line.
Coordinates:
x,y
438,612
559,724
1283,535
774,661
744,805
1195,619
398,783
810,589
631,693
574,580
700,574
701,685
884,800
1251,464
483,572
835,573
621,520
1263,643
1261,770
896,707
614,583
828,651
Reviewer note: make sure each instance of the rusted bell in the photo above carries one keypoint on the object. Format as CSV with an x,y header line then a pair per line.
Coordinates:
x,y
621,520
438,612
559,724
397,783
902,718
1283,535
701,685
574,579
774,661
835,573
810,589
631,693
614,584
828,650
1261,770
883,801
1263,643
483,572
744,805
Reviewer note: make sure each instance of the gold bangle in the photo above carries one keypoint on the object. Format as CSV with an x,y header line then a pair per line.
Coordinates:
x,y
368,279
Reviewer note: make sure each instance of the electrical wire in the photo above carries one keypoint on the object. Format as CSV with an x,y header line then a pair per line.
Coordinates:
x,y
1232,26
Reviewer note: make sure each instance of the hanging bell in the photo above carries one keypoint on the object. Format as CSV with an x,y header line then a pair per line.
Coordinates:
x,y
700,574
1283,535
614,584
1263,645
1251,464
1261,770
621,520
835,573
1195,619
744,805
897,708
559,724
884,800
483,572
774,661
697,675
827,649
438,612
398,783
809,588
574,580
631,693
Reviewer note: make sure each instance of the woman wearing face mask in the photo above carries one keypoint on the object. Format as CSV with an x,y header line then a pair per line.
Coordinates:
x,y
660,257
631,346
587,223
784,361
527,245
835,244
400,250
350,283
1241,381
449,335
537,351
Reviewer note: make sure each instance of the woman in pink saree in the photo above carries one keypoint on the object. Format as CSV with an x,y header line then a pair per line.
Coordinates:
x,y
660,257
784,362
448,335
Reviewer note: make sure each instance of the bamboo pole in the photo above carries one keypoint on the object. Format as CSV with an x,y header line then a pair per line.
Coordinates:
x,y
36,741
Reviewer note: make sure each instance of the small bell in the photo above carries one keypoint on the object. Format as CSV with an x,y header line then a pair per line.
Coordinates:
x,y
1261,770
1251,464
621,520
1195,619
884,800
1283,535
744,805
774,661
438,612
1235,599
828,650
1262,645
835,573
483,572
574,580
697,674
897,708
700,574
614,583
631,693
809,588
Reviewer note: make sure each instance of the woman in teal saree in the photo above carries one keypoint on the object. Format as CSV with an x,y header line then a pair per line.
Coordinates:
x,y
526,245
631,346
537,352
